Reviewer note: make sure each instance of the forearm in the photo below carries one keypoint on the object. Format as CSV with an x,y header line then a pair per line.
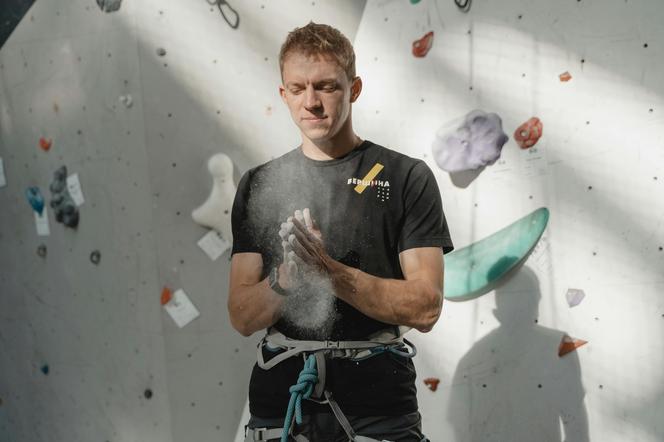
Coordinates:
x,y
256,307
414,303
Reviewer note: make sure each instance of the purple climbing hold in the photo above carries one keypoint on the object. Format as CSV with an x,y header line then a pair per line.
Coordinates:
x,y
574,297
469,142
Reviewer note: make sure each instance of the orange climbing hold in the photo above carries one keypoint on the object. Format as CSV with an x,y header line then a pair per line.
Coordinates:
x,y
166,296
422,46
45,144
528,133
565,76
569,344
432,383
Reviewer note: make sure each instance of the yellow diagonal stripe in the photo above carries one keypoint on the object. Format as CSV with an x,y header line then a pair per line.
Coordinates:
x,y
369,176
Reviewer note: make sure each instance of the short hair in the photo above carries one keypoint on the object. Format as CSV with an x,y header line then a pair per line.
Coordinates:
x,y
319,39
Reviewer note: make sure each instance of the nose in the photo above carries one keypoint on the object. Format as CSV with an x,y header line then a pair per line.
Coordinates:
x,y
311,100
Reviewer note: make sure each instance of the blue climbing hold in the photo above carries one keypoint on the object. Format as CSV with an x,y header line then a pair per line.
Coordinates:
x,y
35,199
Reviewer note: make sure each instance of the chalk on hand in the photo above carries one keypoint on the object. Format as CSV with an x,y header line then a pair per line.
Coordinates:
x,y
307,219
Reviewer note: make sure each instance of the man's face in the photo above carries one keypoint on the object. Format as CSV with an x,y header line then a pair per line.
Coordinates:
x,y
318,94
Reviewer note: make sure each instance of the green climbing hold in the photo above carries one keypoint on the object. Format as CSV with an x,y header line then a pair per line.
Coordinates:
x,y
475,270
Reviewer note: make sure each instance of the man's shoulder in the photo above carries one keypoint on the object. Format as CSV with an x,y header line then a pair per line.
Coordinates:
x,y
273,164
394,157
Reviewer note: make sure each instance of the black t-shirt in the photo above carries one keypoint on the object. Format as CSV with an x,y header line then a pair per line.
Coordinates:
x,y
370,205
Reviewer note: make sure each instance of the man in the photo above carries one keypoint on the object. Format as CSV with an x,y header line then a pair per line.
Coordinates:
x,y
363,259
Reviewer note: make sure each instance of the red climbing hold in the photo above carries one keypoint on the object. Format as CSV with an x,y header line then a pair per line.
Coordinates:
x,y
528,133
166,296
422,46
45,144
569,344
432,383
565,76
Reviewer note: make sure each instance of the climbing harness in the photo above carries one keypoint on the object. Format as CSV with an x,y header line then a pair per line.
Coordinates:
x,y
311,381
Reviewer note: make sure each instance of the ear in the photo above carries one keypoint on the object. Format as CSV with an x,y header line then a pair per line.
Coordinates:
x,y
282,92
355,89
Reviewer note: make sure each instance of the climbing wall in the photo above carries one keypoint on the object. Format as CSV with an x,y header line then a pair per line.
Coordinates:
x,y
590,72
133,97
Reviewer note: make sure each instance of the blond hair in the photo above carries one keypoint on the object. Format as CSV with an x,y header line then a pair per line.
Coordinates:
x,y
317,39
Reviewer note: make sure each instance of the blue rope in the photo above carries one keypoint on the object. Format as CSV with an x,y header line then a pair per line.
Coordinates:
x,y
306,382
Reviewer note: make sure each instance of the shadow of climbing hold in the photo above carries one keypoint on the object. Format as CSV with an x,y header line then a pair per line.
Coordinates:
x,y
62,203
45,144
42,251
95,257
527,135
421,47
35,198
109,5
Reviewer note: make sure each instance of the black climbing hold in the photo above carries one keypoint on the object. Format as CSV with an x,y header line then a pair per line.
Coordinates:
x,y
95,257
147,393
45,369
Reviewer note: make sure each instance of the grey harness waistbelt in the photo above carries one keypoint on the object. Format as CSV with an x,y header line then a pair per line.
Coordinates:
x,y
390,340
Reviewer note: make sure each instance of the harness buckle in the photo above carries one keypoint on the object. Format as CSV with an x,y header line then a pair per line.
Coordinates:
x,y
332,344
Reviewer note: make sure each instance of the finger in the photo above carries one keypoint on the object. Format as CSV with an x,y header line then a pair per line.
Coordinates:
x,y
292,271
299,216
283,233
307,218
293,257
291,239
304,240
308,236
302,253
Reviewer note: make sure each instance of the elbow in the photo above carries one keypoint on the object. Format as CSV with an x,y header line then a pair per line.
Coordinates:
x,y
432,311
237,322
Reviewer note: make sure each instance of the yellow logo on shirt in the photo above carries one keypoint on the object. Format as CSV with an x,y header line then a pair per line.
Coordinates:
x,y
368,179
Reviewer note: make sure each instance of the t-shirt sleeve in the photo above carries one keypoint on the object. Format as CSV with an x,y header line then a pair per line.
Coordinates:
x,y
424,221
242,223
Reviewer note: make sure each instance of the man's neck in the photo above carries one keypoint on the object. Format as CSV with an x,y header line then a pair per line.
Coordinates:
x,y
330,149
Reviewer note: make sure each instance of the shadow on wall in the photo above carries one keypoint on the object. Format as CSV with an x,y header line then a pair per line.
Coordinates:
x,y
511,385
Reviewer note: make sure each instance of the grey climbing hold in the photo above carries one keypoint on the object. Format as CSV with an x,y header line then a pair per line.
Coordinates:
x,y
95,257
109,5
62,203
42,250
161,52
